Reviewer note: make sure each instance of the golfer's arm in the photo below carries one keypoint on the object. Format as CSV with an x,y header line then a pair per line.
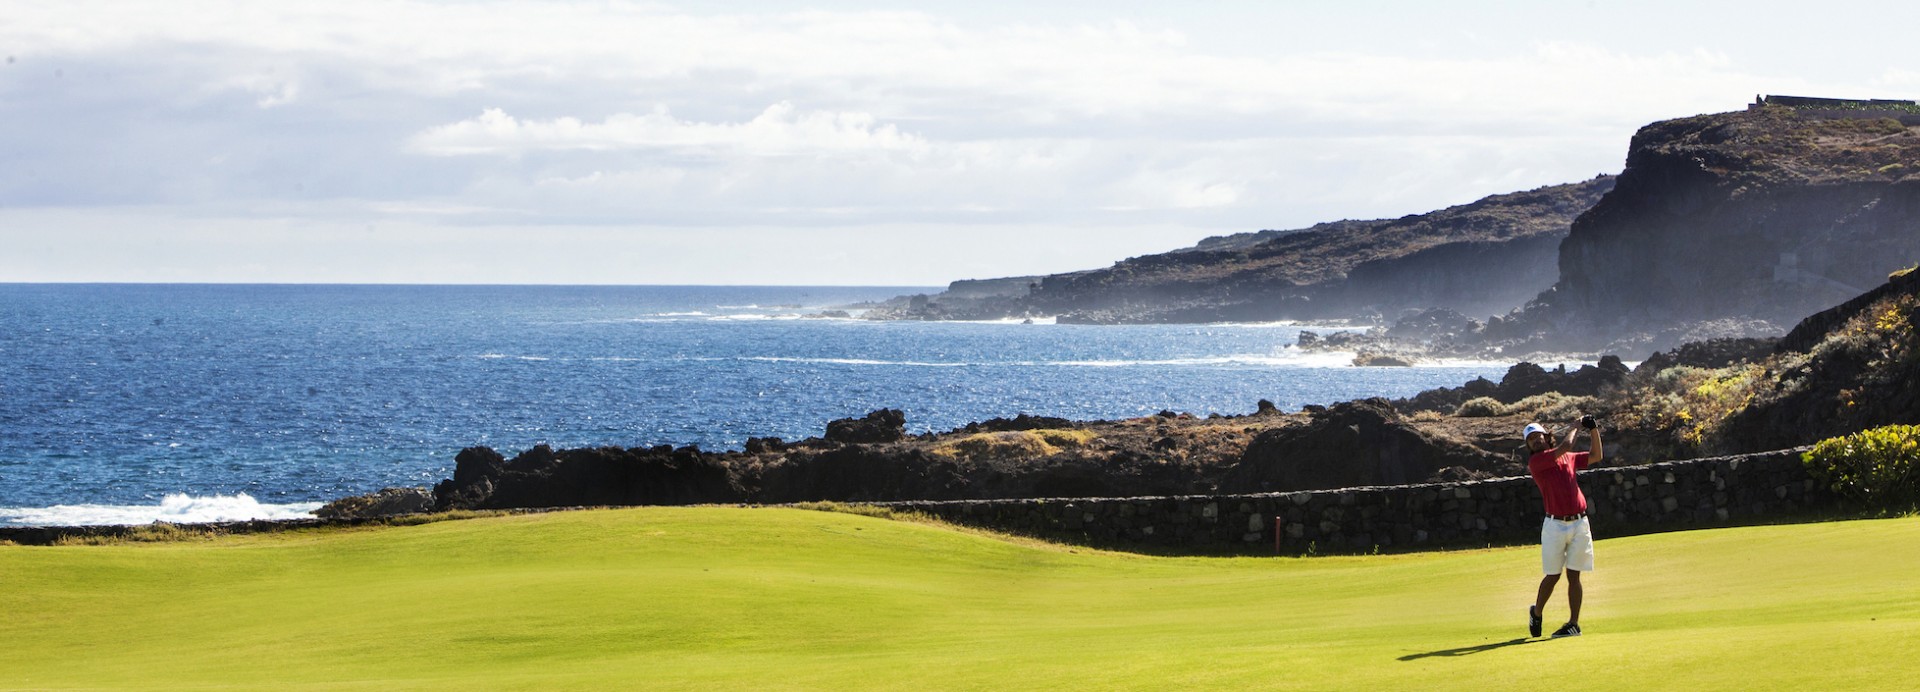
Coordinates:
x,y
1566,443
1597,453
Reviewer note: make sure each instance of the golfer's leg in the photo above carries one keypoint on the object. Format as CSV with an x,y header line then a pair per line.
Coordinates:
x,y
1574,593
1546,592
1553,559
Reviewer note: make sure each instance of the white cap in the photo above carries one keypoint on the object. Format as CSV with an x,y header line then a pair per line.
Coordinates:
x,y
1534,428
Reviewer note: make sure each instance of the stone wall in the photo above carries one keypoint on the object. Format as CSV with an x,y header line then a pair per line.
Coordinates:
x,y
1623,501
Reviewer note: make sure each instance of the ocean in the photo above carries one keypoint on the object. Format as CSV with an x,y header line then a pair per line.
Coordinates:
x,y
130,403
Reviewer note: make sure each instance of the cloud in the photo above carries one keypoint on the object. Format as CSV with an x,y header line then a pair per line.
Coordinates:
x,y
780,130
605,115
1098,74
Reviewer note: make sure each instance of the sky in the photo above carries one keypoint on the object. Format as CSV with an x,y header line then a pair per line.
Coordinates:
x,y
828,143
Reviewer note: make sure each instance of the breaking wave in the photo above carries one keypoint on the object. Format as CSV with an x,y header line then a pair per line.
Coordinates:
x,y
1286,359
178,508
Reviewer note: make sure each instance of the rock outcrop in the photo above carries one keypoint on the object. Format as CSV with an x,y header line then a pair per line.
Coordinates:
x,y
1521,381
1351,444
967,299
383,503
883,425
1713,353
1019,422
1745,222
542,477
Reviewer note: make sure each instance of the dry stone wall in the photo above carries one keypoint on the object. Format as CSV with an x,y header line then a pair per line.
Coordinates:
x,y
1623,501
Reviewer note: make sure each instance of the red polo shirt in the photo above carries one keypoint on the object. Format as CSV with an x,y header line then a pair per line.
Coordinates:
x,y
1554,474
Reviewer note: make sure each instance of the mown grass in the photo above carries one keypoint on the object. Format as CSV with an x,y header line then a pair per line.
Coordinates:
x,y
782,598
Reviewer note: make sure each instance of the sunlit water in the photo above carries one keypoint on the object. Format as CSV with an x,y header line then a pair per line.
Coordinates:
x,y
119,396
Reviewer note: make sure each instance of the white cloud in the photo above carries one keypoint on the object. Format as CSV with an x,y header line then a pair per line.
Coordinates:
x,y
608,115
895,64
780,130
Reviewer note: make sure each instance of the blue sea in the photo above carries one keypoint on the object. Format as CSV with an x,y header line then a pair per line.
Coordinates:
x,y
130,403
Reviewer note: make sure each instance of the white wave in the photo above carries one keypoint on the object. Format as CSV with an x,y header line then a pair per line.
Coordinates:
x,y
178,508
1256,325
1284,359
1287,358
859,361
1476,363
1002,321
1290,324
694,313
752,318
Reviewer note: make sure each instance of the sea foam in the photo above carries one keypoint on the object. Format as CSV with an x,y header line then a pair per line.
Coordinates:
x,y
178,508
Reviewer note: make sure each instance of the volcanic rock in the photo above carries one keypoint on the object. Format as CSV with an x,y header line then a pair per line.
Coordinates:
x,y
1355,443
383,503
541,477
883,425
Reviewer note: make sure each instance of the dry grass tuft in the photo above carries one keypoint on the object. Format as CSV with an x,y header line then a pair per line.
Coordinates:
x,y
1015,444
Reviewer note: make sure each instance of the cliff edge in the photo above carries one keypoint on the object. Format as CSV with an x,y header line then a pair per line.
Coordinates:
x,y
1481,258
1733,224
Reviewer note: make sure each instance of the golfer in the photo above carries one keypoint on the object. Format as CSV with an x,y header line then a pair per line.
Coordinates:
x,y
1566,540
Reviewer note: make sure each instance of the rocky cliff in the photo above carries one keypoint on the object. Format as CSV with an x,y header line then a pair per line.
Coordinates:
x,y
1462,257
1745,222
1482,258
1728,225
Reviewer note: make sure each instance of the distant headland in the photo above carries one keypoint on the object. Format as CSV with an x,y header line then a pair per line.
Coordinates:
x,y
1727,225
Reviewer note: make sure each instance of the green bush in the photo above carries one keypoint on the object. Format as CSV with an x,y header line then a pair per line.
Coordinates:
x,y
1482,407
1879,467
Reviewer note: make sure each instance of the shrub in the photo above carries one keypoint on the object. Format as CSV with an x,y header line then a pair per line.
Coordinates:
x,y
1553,406
1879,467
1689,403
1482,407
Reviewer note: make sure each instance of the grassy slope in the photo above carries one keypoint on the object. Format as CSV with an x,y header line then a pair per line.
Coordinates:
x,y
762,597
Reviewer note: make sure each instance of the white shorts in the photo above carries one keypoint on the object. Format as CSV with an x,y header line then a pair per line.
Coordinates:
x,y
1566,545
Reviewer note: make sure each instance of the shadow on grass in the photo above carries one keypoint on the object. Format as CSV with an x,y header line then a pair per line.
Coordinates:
x,y
1465,650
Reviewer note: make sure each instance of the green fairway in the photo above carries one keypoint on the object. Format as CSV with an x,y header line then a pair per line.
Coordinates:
x,y
755,598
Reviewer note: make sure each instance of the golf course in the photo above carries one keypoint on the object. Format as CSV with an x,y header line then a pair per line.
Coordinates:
x,y
749,598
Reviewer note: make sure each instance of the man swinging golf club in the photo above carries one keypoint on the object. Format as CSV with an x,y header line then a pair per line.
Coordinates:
x,y
1566,540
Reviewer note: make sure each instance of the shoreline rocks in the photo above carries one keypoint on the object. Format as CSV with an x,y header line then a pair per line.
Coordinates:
x,y
382,503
